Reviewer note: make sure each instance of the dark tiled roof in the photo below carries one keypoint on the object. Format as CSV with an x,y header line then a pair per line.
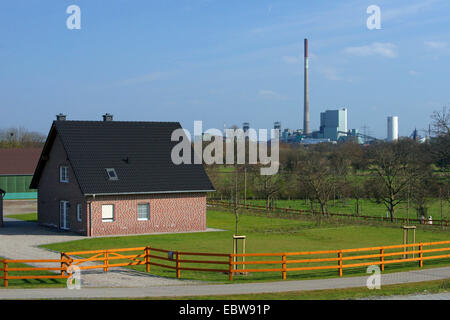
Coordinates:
x,y
93,146
19,161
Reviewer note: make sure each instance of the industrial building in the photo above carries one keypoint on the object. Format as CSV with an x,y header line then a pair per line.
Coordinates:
x,y
333,125
392,128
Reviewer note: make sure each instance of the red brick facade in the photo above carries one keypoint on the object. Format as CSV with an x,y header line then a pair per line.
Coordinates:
x,y
168,213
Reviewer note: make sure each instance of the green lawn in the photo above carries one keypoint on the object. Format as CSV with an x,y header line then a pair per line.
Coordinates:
x,y
31,217
29,283
265,235
367,207
437,286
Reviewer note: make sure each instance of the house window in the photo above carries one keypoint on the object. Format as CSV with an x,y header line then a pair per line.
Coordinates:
x,y
63,174
79,212
112,175
144,211
107,212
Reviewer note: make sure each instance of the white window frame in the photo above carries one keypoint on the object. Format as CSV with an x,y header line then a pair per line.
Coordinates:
x,y
64,216
113,213
148,211
64,174
79,212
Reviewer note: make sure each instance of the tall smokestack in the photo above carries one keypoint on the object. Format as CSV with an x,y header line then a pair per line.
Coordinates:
x,y
306,101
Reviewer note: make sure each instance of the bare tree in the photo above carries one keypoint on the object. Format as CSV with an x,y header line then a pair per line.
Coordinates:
x,y
441,122
394,167
20,138
317,179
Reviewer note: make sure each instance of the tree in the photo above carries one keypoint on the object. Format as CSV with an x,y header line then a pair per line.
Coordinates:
x,y
394,166
441,122
440,143
317,179
421,192
356,190
267,186
20,138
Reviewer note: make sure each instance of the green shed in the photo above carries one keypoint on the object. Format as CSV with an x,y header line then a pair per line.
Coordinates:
x,y
16,171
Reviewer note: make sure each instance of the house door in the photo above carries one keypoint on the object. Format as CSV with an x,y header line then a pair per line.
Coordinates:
x,y
64,215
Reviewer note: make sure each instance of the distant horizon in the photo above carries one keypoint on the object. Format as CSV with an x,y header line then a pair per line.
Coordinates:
x,y
224,63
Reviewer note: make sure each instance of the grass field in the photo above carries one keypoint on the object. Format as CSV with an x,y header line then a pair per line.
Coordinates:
x,y
367,207
30,283
265,235
32,217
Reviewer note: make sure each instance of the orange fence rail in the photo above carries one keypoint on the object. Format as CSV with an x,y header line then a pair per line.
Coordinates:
x,y
229,263
6,269
346,258
254,262
227,204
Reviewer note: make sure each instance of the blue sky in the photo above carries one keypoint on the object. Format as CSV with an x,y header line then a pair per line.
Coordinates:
x,y
223,62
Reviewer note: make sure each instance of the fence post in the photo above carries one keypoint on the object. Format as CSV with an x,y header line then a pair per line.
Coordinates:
x,y
105,261
178,265
62,263
147,259
421,255
230,267
382,259
340,263
5,273
284,266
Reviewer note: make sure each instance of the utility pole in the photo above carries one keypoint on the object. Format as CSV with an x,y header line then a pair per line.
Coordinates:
x,y
407,207
236,198
245,185
440,200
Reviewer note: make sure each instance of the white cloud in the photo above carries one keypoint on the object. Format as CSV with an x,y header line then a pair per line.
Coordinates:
x,y
329,73
269,94
144,79
436,44
386,50
412,73
408,10
290,59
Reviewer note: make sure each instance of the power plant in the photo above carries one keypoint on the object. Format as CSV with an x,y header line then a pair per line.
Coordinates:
x,y
333,122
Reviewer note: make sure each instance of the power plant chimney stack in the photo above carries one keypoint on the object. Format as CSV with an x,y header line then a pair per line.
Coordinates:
x,y
306,101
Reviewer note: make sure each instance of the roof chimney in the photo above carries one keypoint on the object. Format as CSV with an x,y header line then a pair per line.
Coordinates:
x,y
60,117
107,117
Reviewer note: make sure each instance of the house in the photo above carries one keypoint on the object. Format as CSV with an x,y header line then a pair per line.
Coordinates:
x,y
108,177
2,194
17,166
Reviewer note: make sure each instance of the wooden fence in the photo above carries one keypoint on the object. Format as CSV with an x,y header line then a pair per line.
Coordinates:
x,y
6,269
228,204
234,264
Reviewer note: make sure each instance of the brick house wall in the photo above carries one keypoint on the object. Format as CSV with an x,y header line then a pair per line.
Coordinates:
x,y
168,213
51,191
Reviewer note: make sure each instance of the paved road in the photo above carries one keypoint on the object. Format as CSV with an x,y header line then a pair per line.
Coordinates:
x,y
225,289
432,296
